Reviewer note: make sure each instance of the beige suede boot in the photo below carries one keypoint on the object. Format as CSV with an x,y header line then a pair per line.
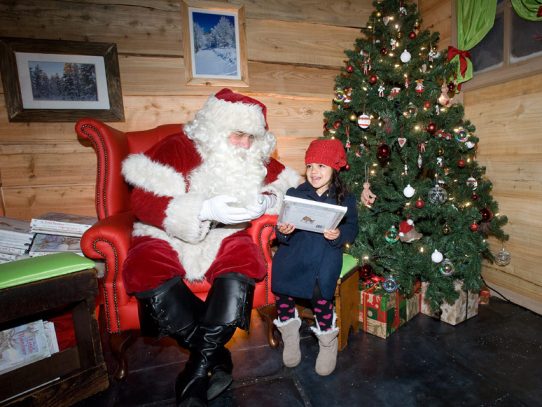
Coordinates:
x,y
291,356
329,345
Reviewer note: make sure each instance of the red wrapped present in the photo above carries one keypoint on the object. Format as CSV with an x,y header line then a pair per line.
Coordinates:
x,y
382,313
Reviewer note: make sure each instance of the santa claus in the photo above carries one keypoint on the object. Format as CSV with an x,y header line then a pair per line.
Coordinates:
x,y
194,194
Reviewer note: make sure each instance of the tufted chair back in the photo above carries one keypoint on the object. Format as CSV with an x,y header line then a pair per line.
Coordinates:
x,y
109,239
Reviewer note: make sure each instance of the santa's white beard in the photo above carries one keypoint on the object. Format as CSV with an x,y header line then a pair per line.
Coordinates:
x,y
229,170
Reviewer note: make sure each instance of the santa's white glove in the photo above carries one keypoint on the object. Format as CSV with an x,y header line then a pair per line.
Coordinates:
x,y
219,209
264,202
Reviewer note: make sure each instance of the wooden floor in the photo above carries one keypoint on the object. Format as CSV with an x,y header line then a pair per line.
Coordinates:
x,y
493,359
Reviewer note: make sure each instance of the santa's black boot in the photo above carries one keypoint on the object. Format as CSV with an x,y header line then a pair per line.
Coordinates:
x,y
170,309
208,371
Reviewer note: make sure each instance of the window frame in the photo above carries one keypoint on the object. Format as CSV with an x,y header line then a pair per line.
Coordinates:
x,y
508,71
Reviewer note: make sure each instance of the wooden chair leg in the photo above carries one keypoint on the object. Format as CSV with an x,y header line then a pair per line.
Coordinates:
x,y
268,313
119,343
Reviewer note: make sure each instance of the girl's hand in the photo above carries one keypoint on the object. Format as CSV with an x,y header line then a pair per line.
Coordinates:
x,y
285,228
332,234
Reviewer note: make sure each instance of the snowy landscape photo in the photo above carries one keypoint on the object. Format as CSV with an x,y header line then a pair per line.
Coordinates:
x,y
57,81
214,44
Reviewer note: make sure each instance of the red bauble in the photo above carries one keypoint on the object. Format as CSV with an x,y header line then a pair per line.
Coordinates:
x,y
420,203
451,86
373,79
431,128
383,153
474,196
365,271
349,69
487,215
412,35
427,104
474,227
347,167
384,51
337,124
461,163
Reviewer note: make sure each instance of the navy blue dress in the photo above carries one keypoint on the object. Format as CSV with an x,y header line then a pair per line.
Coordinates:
x,y
305,258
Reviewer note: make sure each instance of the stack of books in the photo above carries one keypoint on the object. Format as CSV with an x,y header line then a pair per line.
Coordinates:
x,y
59,232
15,239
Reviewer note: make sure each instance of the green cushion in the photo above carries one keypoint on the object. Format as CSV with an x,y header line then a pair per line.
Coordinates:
x,y
41,267
349,262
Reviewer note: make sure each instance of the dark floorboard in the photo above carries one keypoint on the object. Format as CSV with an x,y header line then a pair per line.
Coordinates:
x,y
493,359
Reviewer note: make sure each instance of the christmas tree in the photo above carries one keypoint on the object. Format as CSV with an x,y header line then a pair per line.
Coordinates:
x,y
426,207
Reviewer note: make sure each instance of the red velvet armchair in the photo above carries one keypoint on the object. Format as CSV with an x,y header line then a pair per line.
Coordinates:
x,y
109,239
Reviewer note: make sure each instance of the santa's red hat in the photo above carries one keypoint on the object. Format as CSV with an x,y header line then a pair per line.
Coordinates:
x,y
226,112
227,95
326,151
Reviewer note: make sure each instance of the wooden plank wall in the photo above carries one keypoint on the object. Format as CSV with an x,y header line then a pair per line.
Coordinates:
x,y
507,119
295,50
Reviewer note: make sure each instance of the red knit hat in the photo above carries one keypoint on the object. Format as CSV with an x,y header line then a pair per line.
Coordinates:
x,y
228,95
329,152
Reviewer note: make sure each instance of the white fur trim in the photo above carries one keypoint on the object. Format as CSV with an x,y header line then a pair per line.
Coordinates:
x,y
235,116
317,331
287,179
278,323
182,221
162,180
195,258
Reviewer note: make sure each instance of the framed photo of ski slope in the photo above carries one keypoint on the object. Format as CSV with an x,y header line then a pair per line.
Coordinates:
x,y
214,42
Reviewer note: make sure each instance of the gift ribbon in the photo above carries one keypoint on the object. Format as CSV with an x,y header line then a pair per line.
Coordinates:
x,y
463,55
365,295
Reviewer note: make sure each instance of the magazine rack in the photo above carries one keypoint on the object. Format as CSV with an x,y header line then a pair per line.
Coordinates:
x,y
72,374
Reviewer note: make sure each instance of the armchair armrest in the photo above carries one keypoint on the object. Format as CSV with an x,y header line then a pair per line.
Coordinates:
x,y
262,231
109,239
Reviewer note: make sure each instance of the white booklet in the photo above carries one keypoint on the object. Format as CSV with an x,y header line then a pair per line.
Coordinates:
x,y
22,345
310,215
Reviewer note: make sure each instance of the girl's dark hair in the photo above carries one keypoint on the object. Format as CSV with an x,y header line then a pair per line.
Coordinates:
x,y
340,187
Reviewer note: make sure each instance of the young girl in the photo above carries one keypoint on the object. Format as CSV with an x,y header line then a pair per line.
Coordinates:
x,y
307,264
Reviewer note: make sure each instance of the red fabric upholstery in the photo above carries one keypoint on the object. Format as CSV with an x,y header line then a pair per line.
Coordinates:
x,y
109,239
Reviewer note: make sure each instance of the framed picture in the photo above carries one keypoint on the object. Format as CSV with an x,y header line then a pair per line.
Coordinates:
x,y
214,42
60,81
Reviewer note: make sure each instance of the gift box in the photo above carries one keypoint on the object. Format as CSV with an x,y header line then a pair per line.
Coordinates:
x,y
382,313
465,307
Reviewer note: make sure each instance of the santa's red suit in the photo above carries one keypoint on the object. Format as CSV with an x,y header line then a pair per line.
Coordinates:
x,y
167,207
183,233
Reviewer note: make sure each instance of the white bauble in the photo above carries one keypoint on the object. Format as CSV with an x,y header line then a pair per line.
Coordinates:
x,y
437,256
405,56
409,191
